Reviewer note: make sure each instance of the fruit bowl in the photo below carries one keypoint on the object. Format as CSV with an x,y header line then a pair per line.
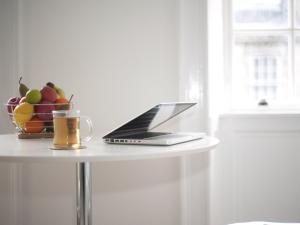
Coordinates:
x,y
34,120
31,112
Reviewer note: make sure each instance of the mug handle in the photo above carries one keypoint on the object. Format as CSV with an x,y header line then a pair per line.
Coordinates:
x,y
90,128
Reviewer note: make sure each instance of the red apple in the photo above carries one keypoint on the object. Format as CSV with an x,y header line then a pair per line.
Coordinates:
x,y
12,103
44,110
48,94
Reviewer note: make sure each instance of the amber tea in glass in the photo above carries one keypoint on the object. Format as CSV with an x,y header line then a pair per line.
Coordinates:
x,y
67,129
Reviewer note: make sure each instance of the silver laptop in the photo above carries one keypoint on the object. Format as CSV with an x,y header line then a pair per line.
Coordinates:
x,y
139,130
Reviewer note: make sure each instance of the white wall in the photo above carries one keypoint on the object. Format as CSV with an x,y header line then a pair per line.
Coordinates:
x,y
255,170
7,59
118,58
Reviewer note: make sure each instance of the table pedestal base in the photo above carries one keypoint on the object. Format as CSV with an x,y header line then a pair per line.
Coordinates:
x,y
83,193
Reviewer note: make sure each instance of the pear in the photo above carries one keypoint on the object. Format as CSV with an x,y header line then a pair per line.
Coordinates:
x,y
22,88
60,92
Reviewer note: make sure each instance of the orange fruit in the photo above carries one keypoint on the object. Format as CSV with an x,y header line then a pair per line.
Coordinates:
x,y
62,104
35,125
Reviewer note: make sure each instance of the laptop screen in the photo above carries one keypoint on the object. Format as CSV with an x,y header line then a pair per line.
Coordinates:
x,y
152,118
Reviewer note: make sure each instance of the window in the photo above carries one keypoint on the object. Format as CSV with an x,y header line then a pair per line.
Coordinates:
x,y
264,52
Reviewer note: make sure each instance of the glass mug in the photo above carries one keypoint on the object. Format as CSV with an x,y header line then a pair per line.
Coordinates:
x,y
67,129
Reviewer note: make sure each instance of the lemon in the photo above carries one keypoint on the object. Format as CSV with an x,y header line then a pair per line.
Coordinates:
x,y
23,113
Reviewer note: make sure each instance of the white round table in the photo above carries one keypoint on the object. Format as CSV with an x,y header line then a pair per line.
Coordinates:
x,y
38,150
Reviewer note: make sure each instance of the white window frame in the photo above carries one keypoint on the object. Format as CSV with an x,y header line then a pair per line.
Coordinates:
x,y
228,47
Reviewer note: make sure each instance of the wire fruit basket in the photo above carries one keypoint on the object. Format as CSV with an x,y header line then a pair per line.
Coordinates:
x,y
34,120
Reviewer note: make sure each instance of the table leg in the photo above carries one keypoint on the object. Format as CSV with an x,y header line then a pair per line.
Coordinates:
x,y
84,193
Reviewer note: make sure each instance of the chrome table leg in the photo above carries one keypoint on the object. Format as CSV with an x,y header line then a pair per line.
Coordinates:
x,y
83,193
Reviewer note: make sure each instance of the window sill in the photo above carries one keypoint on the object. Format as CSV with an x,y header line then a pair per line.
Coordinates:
x,y
266,112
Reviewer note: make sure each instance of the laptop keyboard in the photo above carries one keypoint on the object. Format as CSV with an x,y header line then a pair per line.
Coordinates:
x,y
144,135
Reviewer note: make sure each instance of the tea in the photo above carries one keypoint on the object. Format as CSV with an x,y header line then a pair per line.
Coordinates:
x,y
66,132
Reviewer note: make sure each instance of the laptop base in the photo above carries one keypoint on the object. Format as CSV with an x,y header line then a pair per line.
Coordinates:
x,y
164,140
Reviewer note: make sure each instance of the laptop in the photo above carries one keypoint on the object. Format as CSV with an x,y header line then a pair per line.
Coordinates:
x,y
139,130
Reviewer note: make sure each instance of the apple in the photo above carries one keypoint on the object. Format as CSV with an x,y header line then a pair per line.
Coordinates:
x,y
23,99
12,103
48,94
44,110
50,84
33,96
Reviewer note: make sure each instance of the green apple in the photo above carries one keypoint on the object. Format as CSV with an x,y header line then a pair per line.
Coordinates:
x,y
33,96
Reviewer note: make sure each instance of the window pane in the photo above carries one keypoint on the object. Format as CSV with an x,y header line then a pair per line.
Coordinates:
x,y
297,13
260,68
260,14
297,65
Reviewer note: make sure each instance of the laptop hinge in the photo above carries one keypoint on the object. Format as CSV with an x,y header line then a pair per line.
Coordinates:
x,y
124,134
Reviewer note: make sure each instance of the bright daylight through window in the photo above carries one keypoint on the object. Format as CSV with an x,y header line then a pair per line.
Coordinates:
x,y
265,53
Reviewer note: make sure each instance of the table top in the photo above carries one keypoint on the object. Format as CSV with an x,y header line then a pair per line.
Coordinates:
x,y
13,149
